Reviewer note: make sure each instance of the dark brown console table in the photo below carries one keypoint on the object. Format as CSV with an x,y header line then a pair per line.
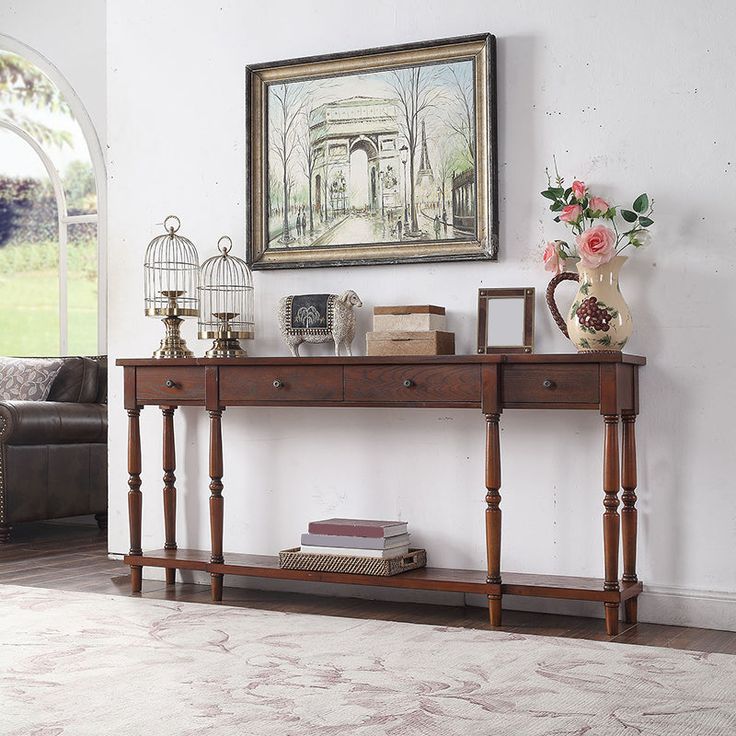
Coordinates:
x,y
604,382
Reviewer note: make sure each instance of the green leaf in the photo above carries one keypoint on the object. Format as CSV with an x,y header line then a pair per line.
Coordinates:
x,y
641,203
549,194
557,191
557,219
645,221
628,215
567,193
556,206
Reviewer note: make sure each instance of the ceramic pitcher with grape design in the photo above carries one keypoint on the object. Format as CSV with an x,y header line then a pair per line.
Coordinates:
x,y
599,319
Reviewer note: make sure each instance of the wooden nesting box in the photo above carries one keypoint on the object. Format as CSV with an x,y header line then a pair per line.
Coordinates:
x,y
414,329
412,318
433,342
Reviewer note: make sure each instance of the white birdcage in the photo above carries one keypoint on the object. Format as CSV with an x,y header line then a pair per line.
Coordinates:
x,y
225,303
171,280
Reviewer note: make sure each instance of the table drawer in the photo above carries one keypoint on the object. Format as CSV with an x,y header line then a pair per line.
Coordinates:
x,y
281,383
550,384
170,384
445,384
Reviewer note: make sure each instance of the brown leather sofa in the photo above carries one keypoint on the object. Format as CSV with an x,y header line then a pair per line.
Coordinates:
x,y
53,453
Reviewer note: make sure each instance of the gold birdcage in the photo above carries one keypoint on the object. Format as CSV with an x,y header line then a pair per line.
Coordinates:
x,y
225,303
171,273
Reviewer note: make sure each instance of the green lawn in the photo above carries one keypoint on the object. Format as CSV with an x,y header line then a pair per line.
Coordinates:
x,y
29,303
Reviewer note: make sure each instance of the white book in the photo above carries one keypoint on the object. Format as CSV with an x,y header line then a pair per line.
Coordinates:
x,y
336,540
381,554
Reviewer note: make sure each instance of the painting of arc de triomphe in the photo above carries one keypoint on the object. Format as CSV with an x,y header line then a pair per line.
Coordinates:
x,y
336,131
373,157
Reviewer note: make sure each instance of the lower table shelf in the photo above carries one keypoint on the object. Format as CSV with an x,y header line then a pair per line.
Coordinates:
x,y
426,578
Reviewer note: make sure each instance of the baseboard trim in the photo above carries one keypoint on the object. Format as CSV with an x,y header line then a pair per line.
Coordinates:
x,y
658,604
706,609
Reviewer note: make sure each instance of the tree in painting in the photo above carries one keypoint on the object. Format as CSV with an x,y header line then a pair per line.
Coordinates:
x,y
416,93
373,157
461,118
307,161
287,102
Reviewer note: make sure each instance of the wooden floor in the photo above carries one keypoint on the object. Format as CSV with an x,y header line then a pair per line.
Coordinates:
x,y
73,557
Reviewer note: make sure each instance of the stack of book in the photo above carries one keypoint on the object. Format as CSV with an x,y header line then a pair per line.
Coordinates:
x,y
418,329
356,538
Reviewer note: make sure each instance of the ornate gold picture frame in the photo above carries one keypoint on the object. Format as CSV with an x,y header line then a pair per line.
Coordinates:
x,y
378,156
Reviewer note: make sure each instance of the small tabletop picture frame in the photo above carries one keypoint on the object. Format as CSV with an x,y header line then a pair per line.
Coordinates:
x,y
506,320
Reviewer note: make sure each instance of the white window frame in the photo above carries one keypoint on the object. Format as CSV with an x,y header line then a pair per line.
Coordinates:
x,y
64,220
12,45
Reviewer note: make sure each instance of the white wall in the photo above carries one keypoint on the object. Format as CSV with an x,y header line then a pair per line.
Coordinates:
x,y
640,98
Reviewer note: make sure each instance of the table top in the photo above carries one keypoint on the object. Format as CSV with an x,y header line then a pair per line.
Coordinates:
x,y
546,358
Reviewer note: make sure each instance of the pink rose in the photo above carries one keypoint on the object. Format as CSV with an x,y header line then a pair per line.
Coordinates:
x,y
552,261
598,204
571,213
596,246
578,189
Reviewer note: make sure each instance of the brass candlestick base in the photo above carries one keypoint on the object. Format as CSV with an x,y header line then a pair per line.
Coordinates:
x,y
226,344
173,345
226,347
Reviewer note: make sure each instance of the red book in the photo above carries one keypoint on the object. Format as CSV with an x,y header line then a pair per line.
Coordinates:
x,y
358,527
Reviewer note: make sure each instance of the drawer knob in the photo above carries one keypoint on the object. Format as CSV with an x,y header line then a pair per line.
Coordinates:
x,y
408,383
547,383
278,383
169,383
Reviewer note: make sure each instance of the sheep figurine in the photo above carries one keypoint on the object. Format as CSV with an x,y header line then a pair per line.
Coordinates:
x,y
318,318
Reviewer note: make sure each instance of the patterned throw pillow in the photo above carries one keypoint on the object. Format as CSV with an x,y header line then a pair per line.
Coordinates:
x,y
27,379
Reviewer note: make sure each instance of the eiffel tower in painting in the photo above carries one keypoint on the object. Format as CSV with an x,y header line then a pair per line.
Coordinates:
x,y
425,186
425,168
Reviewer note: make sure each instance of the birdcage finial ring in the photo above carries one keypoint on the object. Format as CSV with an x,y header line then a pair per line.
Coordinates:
x,y
227,246
170,228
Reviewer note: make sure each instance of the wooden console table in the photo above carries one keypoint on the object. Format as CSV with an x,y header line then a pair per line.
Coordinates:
x,y
604,382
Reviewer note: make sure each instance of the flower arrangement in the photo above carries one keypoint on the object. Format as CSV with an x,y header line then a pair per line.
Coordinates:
x,y
598,235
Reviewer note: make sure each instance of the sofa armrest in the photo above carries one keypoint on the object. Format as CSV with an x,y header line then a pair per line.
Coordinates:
x,y
51,423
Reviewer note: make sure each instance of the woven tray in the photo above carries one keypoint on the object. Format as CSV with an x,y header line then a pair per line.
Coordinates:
x,y
295,559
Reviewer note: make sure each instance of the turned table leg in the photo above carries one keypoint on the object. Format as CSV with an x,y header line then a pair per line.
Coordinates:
x,y
169,491
135,497
216,500
611,518
629,514
493,514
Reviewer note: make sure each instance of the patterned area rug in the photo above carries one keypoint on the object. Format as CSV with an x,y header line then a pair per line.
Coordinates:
x,y
78,664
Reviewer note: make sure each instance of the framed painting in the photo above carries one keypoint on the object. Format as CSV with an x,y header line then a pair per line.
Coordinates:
x,y
379,156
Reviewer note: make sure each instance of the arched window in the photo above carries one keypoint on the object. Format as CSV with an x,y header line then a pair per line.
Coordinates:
x,y
52,276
